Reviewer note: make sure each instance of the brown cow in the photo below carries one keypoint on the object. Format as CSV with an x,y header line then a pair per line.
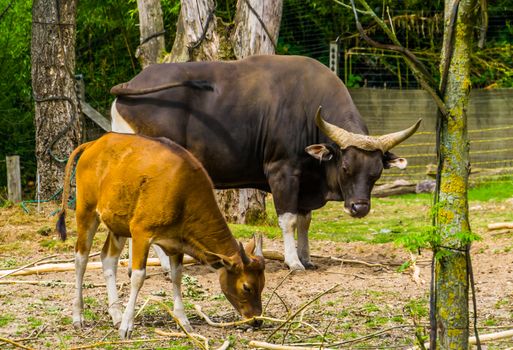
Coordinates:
x,y
155,192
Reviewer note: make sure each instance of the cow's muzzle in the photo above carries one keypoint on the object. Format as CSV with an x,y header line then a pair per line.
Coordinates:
x,y
358,209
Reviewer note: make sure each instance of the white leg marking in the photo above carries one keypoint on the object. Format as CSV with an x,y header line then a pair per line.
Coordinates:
x,y
176,278
303,248
127,323
288,223
110,267
164,259
119,124
78,304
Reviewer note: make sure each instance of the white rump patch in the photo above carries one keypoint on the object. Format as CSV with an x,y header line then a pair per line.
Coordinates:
x,y
118,123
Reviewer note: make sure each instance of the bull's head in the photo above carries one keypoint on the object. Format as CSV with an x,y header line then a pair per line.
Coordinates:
x,y
242,278
357,162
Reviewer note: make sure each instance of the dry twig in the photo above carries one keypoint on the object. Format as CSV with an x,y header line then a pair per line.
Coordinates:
x,y
12,342
13,272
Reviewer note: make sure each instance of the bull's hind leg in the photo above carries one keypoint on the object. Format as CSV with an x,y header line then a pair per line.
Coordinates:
x,y
110,256
176,278
164,259
87,223
140,248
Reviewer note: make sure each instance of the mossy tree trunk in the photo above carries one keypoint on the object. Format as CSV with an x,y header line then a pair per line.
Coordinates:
x,y
202,37
451,278
53,84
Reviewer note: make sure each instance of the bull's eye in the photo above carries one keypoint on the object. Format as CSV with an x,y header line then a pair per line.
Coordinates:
x,y
246,288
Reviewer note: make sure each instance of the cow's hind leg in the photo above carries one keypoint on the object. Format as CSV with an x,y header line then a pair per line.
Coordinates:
x,y
140,248
110,256
176,278
87,224
303,248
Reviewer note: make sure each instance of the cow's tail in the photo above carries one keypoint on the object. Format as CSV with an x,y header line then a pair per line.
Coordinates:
x,y
61,222
124,89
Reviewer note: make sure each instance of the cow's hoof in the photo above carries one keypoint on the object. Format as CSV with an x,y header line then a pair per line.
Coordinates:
x,y
295,266
78,325
125,333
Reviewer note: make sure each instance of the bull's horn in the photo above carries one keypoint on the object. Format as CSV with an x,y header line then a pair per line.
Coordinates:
x,y
389,141
344,138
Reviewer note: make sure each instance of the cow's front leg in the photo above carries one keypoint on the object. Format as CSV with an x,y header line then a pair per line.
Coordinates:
x,y
288,224
303,248
176,278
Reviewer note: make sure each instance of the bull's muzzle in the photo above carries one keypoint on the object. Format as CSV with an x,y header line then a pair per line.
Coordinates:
x,y
359,209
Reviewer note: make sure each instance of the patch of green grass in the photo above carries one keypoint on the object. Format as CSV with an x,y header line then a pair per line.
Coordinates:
x,y
90,315
498,189
5,319
34,322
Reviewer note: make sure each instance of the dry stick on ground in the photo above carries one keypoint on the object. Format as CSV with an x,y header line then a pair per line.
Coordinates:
x,y
265,345
115,342
274,291
12,342
301,308
483,338
500,225
171,313
52,283
182,335
12,272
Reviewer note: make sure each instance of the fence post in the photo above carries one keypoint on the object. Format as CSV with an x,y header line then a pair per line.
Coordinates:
x,y
13,179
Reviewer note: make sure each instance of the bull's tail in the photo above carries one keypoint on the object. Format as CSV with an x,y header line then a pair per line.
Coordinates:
x,y
61,222
124,89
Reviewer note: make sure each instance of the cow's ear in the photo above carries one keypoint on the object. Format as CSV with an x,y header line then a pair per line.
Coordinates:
x,y
222,261
320,152
390,160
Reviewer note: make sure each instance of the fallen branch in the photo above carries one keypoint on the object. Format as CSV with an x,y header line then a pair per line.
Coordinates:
x,y
96,265
52,283
181,335
12,342
483,338
116,342
500,225
318,296
265,345
13,272
350,261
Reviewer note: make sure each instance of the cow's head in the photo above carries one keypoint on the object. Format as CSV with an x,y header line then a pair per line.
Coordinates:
x,y
356,162
242,278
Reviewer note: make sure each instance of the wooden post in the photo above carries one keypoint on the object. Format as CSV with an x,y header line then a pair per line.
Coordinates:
x,y
13,179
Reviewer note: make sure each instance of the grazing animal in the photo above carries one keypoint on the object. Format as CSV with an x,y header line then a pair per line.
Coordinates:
x,y
253,123
155,192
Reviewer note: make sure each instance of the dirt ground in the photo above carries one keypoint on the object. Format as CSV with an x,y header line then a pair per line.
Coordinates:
x,y
375,301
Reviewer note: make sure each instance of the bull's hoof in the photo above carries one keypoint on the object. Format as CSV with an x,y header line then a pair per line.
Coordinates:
x,y
295,266
78,325
309,265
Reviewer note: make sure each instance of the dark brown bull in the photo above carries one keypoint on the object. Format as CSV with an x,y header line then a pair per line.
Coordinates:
x,y
155,192
252,123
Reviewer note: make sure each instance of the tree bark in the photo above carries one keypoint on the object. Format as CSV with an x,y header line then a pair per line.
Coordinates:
x,y
53,83
451,279
200,37
151,27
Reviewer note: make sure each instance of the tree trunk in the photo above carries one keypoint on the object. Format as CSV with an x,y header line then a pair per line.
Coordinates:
x,y
195,43
53,84
196,33
151,27
451,279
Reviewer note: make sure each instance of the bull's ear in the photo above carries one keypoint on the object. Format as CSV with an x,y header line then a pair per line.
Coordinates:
x,y
222,261
319,151
390,160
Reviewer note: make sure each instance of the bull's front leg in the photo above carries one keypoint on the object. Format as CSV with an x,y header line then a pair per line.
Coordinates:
x,y
288,225
303,247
